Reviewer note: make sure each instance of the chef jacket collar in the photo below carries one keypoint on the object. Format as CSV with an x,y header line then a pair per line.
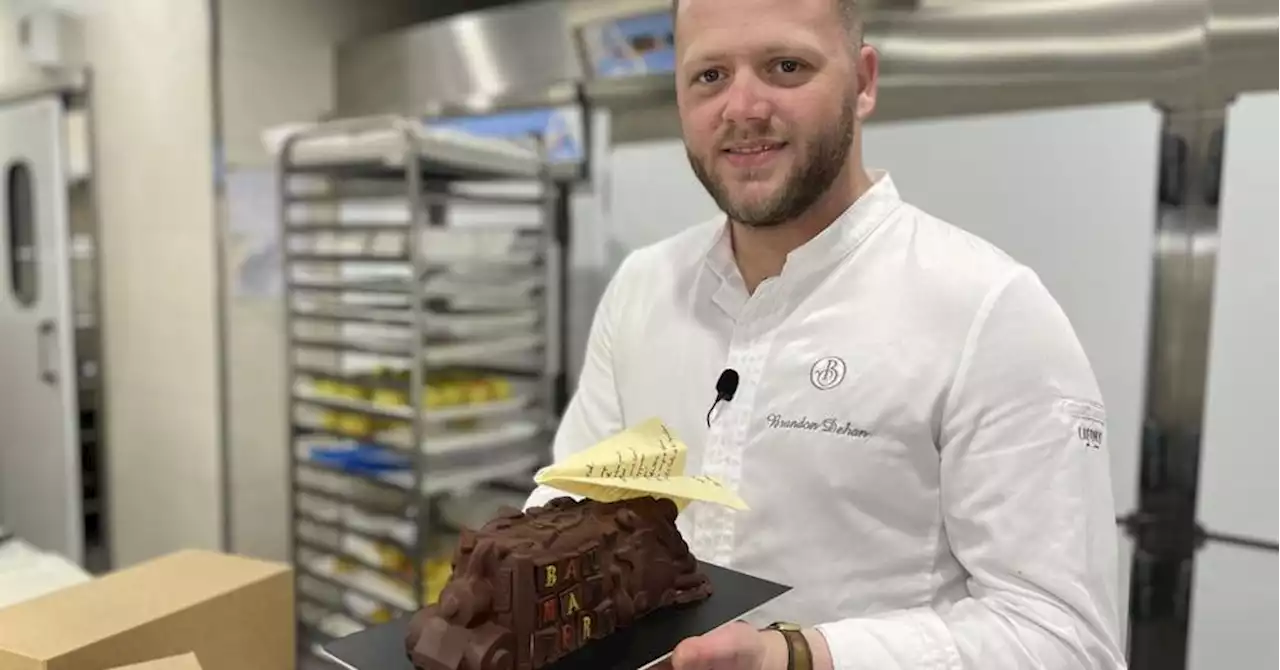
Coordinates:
x,y
827,247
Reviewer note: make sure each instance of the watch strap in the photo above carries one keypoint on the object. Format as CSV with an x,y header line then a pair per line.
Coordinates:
x,y
799,655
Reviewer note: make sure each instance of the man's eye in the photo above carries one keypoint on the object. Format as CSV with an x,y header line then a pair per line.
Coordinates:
x,y
789,66
708,77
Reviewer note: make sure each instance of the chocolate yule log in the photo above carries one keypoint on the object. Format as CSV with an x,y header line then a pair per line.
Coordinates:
x,y
530,587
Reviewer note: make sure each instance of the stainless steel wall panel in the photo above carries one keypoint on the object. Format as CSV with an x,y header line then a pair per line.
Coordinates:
x,y
1009,41
465,61
944,58
939,58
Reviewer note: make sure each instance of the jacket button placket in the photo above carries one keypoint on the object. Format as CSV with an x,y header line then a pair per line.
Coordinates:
x,y
747,354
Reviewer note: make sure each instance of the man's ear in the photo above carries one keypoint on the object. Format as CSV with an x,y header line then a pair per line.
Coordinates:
x,y
868,64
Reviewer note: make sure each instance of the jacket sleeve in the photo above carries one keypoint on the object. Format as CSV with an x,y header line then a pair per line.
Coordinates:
x,y
594,411
1026,505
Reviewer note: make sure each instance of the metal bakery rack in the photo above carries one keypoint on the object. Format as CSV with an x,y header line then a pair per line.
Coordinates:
x,y
424,275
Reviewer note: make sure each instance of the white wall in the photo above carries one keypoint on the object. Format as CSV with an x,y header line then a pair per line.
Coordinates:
x,y
276,67
153,111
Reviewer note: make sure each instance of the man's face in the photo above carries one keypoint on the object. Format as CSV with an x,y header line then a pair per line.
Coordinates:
x,y
768,96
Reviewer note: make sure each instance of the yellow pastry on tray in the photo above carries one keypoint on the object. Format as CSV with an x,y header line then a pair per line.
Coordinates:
x,y
392,558
433,396
453,395
501,388
479,392
389,398
438,571
327,389
354,425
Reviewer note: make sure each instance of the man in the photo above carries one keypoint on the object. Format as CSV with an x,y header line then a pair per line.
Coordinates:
x,y
916,430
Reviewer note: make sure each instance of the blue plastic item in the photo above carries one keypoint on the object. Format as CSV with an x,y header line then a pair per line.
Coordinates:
x,y
365,459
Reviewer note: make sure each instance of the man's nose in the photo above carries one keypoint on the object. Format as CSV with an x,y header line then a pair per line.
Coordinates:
x,y
746,101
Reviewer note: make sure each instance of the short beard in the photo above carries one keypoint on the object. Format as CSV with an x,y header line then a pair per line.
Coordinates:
x,y
807,183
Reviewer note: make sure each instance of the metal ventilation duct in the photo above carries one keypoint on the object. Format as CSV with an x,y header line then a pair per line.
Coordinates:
x,y
468,61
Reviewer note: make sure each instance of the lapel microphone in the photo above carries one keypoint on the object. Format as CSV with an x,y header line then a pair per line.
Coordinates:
x,y
726,387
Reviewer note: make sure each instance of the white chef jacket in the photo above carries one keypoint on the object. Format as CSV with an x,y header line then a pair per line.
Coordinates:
x,y
917,432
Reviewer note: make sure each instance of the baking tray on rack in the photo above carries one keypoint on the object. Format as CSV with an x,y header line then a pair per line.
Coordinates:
x,y
445,151
456,474
451,352
521,397
456,289
375,324
444,442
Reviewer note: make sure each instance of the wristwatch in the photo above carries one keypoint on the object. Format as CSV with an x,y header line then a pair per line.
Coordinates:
x,y
799,656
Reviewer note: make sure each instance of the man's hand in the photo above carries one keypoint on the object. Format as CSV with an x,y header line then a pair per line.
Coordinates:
x,y
736,646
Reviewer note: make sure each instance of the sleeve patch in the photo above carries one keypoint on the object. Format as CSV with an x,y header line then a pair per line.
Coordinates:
x,y
1087,421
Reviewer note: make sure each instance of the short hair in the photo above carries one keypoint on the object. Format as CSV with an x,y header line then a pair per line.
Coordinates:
x,y
850,14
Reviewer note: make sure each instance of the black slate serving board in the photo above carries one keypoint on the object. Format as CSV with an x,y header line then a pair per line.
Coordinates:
x,y
646,642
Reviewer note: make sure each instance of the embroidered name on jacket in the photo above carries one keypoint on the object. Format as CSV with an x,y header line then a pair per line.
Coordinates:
x,y
828,425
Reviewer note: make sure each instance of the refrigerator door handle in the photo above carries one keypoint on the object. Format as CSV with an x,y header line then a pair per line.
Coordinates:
x,y
1240,541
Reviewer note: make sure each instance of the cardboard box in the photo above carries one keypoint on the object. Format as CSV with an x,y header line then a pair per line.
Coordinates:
x,y
233,613
183,662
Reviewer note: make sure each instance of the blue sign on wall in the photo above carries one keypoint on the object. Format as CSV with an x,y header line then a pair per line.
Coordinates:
x,y
560,128
631,46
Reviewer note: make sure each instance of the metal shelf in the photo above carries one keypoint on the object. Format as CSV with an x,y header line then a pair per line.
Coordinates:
x,y
344,529
345,585
389,306
334,608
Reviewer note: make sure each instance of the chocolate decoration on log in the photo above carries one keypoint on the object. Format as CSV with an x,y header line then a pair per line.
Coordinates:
x,y
529,588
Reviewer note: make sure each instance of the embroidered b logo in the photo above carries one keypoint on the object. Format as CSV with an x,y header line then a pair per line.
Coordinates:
x,y
827,373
